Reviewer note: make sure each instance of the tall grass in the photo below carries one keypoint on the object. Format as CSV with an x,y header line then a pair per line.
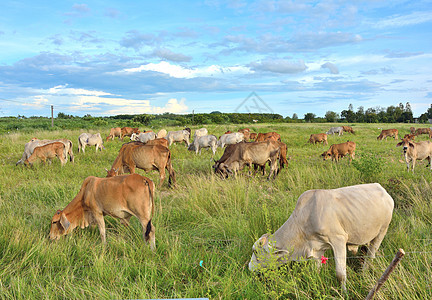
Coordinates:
x,y
205,227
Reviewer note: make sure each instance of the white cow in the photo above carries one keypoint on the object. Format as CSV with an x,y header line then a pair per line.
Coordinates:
x,y
88,139
200,132
334,130
416,151
207,141
178,136
143,136
328,219
34,142
230,138
161,134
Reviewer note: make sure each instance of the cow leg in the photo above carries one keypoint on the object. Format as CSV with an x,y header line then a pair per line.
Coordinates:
x,y
413,160
339,249
161,176
373,247
149,233
99,219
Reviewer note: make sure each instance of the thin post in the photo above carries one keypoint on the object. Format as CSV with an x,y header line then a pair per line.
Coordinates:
x,y
193,114
52,115
399,255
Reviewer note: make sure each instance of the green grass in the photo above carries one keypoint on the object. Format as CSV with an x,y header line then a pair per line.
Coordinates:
x,y
205,219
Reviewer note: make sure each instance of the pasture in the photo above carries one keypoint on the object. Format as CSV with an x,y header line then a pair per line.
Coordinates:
x,y
206,226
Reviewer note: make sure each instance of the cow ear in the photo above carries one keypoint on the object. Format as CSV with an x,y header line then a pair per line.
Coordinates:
x,y
399,144
64,222
411,145
263,239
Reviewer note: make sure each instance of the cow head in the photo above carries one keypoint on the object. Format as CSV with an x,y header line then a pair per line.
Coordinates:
x,y
265,254
222,169
326,155
406,143
112,172
59,225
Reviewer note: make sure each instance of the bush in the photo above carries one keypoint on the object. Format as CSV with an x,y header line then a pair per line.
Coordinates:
x,y
370,166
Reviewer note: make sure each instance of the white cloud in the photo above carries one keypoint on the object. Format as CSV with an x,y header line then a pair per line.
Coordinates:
x,y
405,20
177,71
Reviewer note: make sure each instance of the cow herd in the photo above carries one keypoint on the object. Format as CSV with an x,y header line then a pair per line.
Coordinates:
x,y
322,219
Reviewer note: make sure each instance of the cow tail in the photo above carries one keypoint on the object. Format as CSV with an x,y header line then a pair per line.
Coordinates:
x,y
151,187
71,156
171,177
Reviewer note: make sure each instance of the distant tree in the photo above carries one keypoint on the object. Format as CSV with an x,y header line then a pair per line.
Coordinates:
x,y
351,107
143,119
423,118
331,116
429,112
309,117
295,116
215,112
371,115
360,115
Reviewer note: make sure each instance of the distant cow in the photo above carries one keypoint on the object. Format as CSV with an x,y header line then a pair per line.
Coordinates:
x,y
200,132
246,132
427,131
416,151
269,136
230,138
253,136
127,131
348,129
143,136
120,197
339,130
48,151
412,130
88,139
338,151
409,137
178,136
161,134
158,141
207,141
114,132
385,133
340,219
237,156
146,157
318,138
35,142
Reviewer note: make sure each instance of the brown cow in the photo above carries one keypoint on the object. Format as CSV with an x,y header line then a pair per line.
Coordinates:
x,y
146,157
114,132
318,138
127,131
412,130
424,131
416,151
48,151
159,141
246,133
120,197
269,136
409,137
385,133
337,151
348,129
282,158
253,136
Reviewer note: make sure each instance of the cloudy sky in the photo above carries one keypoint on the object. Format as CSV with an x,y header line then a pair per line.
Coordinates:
x,y
129,57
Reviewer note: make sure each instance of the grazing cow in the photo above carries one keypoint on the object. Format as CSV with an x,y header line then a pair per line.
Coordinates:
x,y
237,156
88,139
337,151
159,141
114,132
339,130
269,136
143,136
48,151
427,131
120,197
34,142
348,129
200,132
416,151
253,136
318,138
207,141
178,136
340,219
282,158
127,131
385,133
412,130
189,130
146,157
230,138
246,132
161,134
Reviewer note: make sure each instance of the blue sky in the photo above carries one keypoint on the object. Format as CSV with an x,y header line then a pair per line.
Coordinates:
x,y
130,57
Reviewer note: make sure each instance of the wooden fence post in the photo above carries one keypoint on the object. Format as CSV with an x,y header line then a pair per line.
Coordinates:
x,y
399,255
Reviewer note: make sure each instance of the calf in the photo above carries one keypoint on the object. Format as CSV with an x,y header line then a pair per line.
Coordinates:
x,y
128,131
337,219
348,129
318,138
427,131
385,133
144,137
120,197
337,151
230,138
178,136
161,134
88,139
416,151
339,130
114,132
206,141
48,151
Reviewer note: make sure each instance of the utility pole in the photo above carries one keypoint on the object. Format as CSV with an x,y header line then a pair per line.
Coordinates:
x,y
52,115
193,113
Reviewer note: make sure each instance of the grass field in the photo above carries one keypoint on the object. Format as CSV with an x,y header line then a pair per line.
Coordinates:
x,y
205,227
